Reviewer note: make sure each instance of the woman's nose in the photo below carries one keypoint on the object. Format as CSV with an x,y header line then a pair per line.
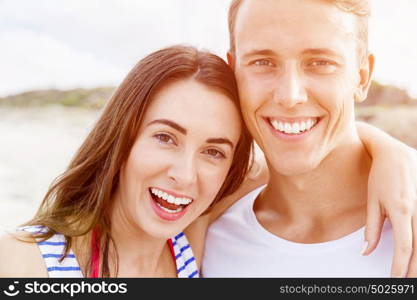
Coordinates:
x,y
183,170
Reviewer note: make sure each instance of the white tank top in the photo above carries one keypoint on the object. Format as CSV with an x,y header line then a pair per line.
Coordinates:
x,y
238,246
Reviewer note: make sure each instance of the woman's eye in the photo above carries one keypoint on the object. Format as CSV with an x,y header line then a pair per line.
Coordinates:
x,y
164,138
215,153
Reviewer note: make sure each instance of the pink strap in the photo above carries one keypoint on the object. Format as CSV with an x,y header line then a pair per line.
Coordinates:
x,y
171,247
95,259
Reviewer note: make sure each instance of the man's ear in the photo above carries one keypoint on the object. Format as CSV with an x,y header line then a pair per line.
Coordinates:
x,y
231,60
365,73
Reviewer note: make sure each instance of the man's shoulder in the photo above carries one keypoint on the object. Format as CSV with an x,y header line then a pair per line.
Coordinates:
x,y
20,256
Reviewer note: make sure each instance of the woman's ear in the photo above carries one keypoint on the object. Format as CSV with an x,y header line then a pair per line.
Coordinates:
x,y
366,70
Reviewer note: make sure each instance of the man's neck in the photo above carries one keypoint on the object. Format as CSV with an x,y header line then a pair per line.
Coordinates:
x,y
305,208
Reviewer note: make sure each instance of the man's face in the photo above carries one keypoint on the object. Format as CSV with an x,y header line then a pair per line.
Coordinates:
x,y
298,72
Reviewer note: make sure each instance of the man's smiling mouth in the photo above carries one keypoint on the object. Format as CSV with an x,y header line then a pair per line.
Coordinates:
x,y
293,127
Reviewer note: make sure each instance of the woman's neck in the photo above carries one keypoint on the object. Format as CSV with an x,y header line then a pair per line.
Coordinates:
x,y
132,252
138,253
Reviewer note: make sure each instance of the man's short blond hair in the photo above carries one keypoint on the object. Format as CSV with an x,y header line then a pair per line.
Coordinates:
x,y
360,8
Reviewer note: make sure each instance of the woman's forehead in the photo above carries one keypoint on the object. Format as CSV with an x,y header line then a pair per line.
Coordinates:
x,y
194,105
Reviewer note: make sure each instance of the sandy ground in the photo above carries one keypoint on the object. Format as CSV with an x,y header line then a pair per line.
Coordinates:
x,y
35,147
400,121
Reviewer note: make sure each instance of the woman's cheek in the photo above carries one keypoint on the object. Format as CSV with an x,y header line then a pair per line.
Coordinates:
x,y
151,153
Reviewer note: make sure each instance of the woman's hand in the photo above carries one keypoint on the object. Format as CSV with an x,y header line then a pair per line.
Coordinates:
x,y
392,193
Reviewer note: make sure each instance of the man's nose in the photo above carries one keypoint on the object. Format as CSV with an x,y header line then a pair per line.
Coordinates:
x,y
183,171
290,88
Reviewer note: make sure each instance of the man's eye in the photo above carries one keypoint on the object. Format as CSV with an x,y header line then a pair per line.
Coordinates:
x,y
323,63
323,66
262,63
215,153
164,138
318,63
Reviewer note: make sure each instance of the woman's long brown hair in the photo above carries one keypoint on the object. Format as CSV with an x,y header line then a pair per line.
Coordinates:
x,y
80,199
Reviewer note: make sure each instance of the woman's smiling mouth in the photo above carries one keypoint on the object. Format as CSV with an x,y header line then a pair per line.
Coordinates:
x,y
169,206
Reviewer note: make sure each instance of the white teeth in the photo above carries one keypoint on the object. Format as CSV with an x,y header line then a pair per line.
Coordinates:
x,y
296,128
170,210
185,201
293,128
280,126
169,198
275,123
287,128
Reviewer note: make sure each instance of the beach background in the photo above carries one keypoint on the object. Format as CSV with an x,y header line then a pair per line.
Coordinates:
x,y
61,61
36,145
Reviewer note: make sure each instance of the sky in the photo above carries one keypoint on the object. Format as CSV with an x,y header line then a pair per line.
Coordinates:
x,y
87,43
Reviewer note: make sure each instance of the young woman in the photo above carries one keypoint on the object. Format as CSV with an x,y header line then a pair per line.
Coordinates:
x,y
170,141
169,144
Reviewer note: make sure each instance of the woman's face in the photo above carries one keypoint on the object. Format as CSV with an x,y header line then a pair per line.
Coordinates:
x,y
180,159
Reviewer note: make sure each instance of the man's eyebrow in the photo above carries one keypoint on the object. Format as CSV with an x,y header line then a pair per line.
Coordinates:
x,y
169,123
220,141
317,51
254,52
312,51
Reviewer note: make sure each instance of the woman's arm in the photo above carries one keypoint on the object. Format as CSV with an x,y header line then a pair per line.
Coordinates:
x,y
392,193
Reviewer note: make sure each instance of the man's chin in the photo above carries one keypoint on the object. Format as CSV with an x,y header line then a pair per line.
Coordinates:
x,y
294,167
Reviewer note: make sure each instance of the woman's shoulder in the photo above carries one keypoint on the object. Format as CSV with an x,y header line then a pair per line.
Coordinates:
x,y
20,256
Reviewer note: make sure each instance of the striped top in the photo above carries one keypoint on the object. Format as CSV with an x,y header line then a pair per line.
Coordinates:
x,y
53,248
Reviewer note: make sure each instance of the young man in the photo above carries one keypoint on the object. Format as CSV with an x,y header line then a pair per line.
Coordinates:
x,y
300,67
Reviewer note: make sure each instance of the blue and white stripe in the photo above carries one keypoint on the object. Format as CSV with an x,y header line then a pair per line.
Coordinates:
x,y
53,248
184,256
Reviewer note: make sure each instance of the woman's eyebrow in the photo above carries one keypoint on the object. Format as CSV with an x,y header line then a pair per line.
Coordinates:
x,y
171,124
220,141
182,130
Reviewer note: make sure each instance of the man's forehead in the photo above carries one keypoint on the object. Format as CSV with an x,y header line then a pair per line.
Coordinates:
x,y
316,24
